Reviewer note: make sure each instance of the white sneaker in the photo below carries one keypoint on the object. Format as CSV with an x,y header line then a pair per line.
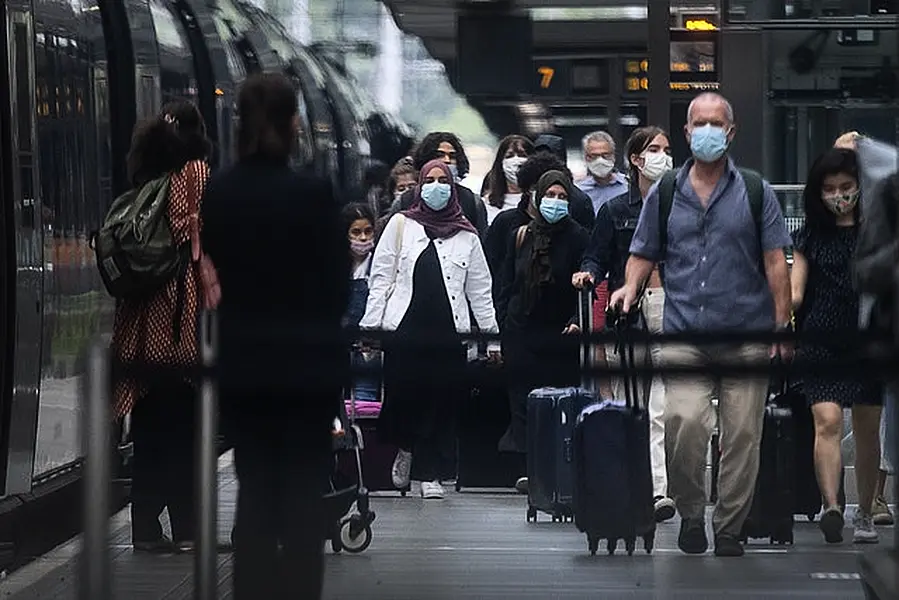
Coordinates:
x,y
864,533
432,490
402,466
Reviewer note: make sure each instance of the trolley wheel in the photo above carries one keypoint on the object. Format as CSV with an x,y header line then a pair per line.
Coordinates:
x,y
532,514
649,541
811,517
592,545
611,545
336,546
355,535
630,545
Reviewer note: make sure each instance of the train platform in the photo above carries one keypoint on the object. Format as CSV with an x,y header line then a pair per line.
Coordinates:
x,y
477,545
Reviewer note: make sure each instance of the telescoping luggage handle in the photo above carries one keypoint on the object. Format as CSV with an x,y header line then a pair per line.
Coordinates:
x,y
205,560
585,322
621,323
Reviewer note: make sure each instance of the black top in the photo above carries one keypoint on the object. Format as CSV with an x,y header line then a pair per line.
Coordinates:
x,y
429,309
610,242
556,305
259,217
496,244
830,302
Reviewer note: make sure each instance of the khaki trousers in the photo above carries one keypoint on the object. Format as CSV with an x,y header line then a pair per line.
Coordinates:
x,y
689,420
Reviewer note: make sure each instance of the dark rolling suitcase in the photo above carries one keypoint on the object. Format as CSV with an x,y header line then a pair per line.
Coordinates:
x,y
613,497
552,413
771,515
483,419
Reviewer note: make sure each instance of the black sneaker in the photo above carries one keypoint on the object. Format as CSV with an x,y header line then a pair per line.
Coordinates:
x,y
692,539
728,545
831,525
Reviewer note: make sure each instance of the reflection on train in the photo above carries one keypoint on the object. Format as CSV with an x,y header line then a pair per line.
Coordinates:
x,y
80,75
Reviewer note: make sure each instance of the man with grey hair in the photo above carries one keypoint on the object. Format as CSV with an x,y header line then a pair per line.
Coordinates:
x,y
720,233
603,182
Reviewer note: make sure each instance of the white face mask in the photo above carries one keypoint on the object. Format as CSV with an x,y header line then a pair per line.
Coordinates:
x,y
600,167
656,164
510,168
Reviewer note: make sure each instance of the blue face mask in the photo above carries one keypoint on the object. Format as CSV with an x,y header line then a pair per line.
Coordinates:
x,y
553,209
708,143
436,195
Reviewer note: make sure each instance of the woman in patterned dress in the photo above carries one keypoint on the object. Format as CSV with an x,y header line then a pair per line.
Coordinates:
x,y
146,332
824,299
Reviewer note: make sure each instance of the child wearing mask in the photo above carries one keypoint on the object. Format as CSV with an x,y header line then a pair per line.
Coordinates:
x,y
359,221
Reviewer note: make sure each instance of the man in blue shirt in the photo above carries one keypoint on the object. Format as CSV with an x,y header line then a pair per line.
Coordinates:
x,y
603,182
722,272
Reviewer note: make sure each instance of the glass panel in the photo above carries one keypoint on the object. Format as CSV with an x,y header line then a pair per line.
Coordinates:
x,y
178,79
73,141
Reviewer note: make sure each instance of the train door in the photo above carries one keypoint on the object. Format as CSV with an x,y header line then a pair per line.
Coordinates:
x,y
26,232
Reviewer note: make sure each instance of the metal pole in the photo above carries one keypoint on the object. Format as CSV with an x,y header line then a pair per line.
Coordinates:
x,y
659,97
205,561
95,568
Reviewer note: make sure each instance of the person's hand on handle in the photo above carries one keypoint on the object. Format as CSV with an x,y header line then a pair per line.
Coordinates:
x,y
623,299
571,329
582,280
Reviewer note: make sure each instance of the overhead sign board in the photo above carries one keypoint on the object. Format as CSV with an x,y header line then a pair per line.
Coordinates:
x,y
568,77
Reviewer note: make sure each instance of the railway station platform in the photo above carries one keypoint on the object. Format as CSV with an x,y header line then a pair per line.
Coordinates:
x,y
478,545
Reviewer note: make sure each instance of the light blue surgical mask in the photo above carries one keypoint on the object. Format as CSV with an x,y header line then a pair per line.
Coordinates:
x,y
708,143
436,195
553,209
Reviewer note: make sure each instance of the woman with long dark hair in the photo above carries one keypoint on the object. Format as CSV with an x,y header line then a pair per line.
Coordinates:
x,y
648,152
161,330
824,299
500,190
282,362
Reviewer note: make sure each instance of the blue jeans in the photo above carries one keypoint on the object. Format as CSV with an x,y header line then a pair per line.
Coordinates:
x,y
366,388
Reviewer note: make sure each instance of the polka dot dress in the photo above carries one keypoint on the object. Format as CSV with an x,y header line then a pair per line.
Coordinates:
x,y
831,304
143,330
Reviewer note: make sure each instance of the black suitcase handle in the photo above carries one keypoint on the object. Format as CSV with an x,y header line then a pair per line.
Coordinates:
x,y
621,323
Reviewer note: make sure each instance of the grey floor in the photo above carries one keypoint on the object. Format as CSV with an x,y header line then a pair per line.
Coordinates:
x,y
478,545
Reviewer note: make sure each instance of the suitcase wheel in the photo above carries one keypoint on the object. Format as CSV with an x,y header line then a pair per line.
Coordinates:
x,y
592,545
649,541
811,517
611,545
458,486
630,545
532,514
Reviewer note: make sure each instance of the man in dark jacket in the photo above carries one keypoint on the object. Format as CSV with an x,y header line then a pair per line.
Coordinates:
x,y
579,203
447,147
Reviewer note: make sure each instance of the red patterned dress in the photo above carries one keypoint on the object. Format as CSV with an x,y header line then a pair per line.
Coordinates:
x,y
143,332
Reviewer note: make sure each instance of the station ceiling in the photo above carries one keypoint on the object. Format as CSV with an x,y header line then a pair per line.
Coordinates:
x,y
558,25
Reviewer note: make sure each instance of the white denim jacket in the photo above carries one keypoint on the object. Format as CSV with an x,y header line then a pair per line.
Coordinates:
x,y
464,267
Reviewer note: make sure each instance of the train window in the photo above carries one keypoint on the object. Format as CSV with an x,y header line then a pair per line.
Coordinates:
x,y
23,96
178,79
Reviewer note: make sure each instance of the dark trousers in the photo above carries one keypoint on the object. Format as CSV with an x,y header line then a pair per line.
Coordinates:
x,y
162,430
282,458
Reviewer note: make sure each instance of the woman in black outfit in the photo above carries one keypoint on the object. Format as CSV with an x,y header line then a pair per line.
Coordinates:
x,y
538,298
282,361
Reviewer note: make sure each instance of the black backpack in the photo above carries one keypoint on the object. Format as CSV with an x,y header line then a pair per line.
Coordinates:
x,y
755,190
136,252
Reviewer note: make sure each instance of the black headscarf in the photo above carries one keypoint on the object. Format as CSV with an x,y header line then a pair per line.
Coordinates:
x,y
540,271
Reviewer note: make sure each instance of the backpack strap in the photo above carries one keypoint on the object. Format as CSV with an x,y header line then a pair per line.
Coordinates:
x,y
755,193
666,201
519,236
